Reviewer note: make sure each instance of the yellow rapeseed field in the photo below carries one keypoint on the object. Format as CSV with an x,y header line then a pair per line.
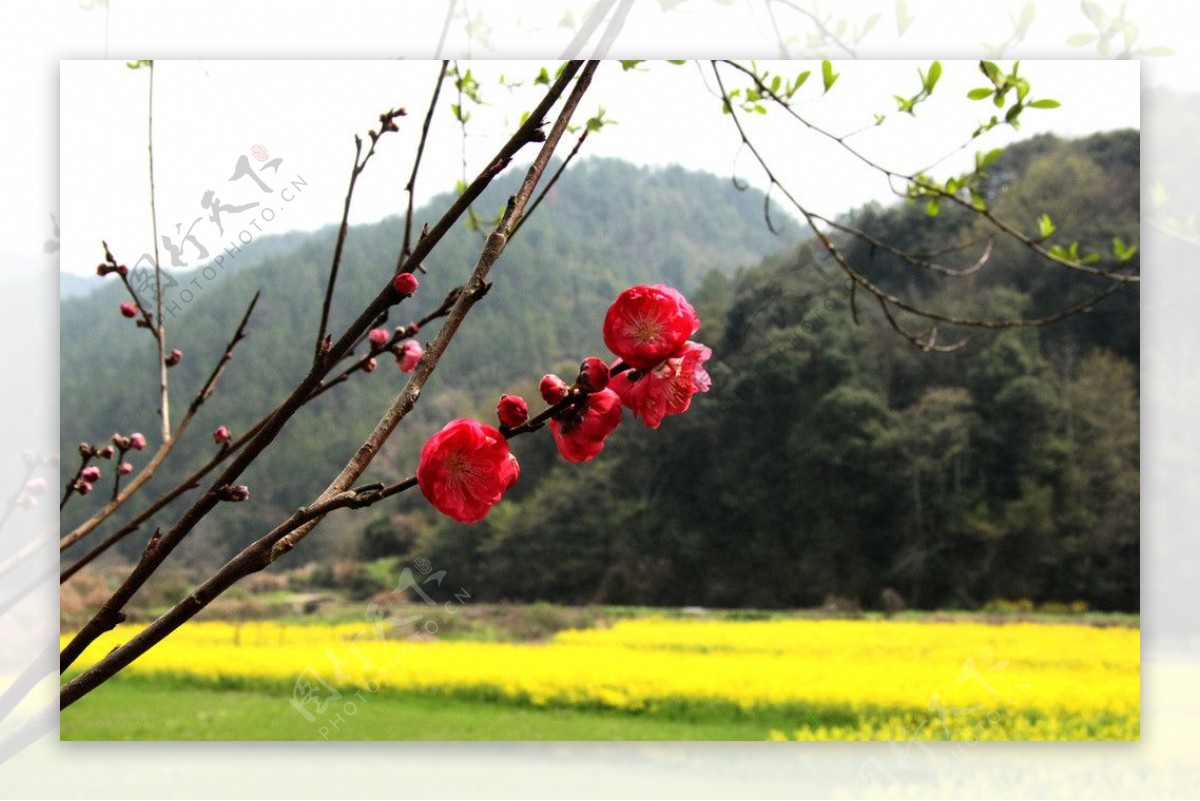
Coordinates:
x,y
836,679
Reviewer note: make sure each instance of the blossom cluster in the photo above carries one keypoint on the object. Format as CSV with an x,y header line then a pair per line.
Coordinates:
x,y
466,468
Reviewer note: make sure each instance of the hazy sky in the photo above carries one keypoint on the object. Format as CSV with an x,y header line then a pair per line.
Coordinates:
x,y
208,114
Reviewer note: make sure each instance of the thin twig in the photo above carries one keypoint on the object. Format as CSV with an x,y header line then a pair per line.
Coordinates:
x,y
410,187
545,190
589,26
387,123
160,326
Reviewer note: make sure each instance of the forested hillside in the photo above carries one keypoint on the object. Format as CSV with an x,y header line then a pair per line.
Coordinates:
x,y
831,459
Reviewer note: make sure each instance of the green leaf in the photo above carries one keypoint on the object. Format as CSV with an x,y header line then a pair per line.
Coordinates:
x,y
800,79
828,75
935,72
1158,194
980,93
990,157
627,65
991,70
1026,20
1045,226
903,20
1096,14
1045,104
542,78
932,207
869,24
1122,251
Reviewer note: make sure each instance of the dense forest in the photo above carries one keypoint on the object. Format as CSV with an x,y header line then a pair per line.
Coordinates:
x,y
831,460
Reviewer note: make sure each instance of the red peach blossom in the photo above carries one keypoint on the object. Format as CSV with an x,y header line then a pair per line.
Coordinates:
x,y
465,469
553,389
580,435
593,374
668,388
409,354
512,410
646,324
405,283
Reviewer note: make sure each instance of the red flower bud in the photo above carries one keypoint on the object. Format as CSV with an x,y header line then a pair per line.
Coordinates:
x,y
405,283
379,337
85,449
83,487
553,389
370,365
90,474
236,494
512,410
122,270
409,354
137,441
174,357
593,374
128,309
580,436
106,452
124,469
221,435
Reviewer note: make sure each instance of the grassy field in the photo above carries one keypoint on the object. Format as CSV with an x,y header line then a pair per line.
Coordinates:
x,y
636,676
150,708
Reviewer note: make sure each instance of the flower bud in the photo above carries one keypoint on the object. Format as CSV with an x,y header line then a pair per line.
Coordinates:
x,y
409,354
83,487
86,450
137,441
128,309
405,283
90,474
235,494
593,374
174,357
35,486
122,270
106,452
370,365
553,389
379,336
221,435
124,469
512,410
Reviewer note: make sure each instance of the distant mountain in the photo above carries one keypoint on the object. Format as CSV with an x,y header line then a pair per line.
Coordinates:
x,y
605,226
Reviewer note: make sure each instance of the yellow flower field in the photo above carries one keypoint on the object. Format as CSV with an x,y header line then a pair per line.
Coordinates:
x,y
836,679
